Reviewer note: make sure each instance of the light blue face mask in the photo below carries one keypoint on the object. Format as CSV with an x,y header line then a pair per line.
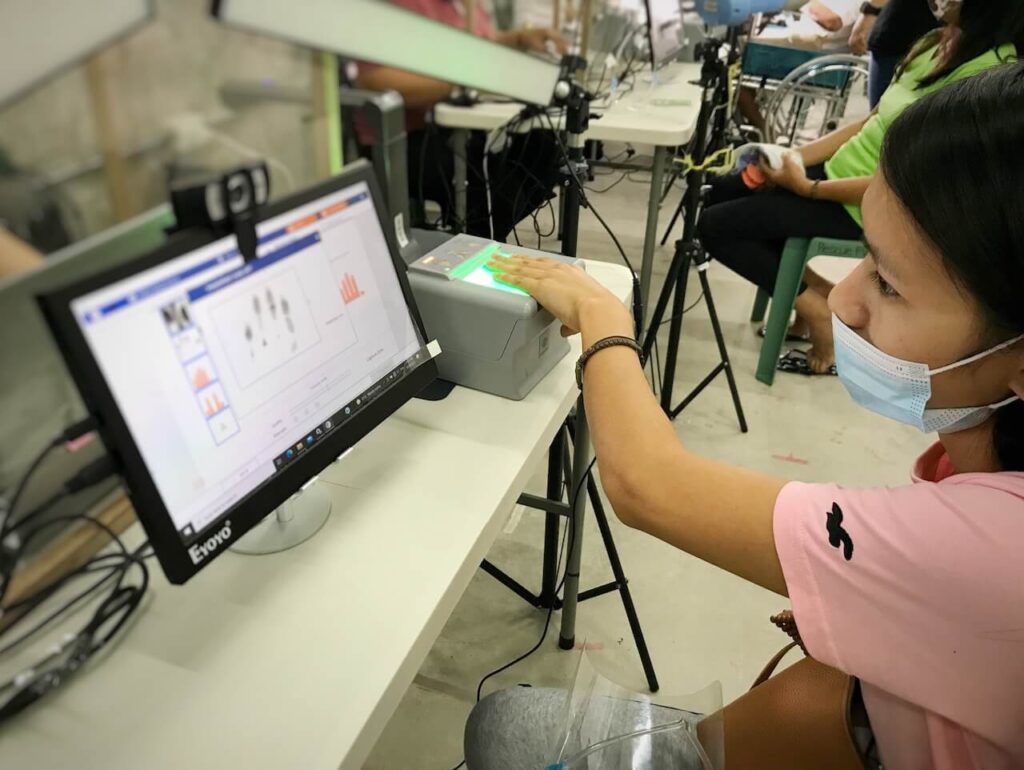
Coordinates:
x,y
900,389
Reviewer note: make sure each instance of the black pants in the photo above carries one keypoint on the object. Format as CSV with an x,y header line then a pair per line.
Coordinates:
x,y
521,178
746,230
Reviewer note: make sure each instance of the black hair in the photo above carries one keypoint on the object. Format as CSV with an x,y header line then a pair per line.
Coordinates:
x,y
984,25
962,186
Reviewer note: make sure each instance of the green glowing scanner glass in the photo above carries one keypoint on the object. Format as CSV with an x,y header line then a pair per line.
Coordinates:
x,y
478,272
485,276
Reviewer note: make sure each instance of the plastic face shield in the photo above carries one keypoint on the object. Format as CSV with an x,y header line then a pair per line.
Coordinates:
x,y
608,726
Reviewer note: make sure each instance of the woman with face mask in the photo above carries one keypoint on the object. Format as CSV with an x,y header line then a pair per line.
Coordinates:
x,y
918,591
746,229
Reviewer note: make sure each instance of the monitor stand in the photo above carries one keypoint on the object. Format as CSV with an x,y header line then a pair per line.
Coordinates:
x,y
295,521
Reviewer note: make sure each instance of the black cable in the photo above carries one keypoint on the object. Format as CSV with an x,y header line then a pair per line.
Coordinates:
x,y
685,310
510,128
638,308
64,608
121,563
657,358
107,620
99,470
612,186
536,222
422,169
5,576
19,490
93,565
71,433
531,176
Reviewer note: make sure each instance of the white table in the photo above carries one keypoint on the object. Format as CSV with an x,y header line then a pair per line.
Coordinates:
x,y
661,112
298,659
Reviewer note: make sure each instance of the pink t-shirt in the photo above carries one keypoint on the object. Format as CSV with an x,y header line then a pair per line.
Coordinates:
x,y
919,592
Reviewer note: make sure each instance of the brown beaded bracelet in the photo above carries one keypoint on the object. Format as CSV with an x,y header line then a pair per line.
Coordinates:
x,y
607,342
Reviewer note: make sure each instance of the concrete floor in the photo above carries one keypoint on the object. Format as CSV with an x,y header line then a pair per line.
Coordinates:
x,y
702,624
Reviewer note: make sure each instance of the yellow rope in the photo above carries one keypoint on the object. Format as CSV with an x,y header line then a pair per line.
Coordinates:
x,y
735,72
724,160
716,163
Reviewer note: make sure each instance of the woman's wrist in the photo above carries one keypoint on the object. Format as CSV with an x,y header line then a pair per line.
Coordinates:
x,y
602,317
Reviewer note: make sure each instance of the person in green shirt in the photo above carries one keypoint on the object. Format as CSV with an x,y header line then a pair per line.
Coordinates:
x,y
746,229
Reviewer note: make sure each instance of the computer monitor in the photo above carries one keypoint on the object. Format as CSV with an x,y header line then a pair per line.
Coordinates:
x,y
224,386
665,31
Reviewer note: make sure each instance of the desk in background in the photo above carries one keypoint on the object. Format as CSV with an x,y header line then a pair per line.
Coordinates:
x,y
662,114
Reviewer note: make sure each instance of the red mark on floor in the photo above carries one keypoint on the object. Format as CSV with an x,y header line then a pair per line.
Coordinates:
x,y
791,459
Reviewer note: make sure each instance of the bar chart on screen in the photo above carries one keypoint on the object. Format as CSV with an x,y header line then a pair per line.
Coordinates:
x,y
350,290
190,345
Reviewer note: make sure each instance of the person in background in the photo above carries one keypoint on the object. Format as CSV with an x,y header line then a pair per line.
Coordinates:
x,y
915,590
832,21
820,25
16,256
527,172
888,29
746,229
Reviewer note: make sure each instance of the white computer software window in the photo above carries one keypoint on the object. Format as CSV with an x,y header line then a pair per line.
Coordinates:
x,y
218,365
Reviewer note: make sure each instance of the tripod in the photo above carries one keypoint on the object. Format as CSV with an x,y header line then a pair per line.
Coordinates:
x,y
563,473
723,107
714,73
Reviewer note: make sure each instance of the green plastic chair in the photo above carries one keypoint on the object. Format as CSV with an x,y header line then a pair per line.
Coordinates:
x,y
795,256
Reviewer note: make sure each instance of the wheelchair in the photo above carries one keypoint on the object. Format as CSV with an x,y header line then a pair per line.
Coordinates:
x,y
804,94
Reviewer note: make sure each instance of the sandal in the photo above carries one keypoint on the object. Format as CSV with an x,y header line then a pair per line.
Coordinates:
x,y
762,332
795,362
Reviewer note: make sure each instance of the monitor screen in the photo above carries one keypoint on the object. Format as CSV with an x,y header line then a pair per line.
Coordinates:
x,y
665,20
227,374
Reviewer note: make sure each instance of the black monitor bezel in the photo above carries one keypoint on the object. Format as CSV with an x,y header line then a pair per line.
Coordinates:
x,y
170,549
655,66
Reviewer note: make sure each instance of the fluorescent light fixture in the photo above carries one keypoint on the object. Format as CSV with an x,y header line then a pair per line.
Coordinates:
x,y
376,31
39,38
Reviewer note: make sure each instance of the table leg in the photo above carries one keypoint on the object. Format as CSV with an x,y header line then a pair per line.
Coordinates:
x,y
552,522
651,235
460,144
578,499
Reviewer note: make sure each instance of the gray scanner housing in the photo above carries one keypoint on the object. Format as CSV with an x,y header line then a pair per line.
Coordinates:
x,y
491,340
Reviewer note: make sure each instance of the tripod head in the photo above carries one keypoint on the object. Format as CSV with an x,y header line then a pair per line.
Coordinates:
x,y
573,95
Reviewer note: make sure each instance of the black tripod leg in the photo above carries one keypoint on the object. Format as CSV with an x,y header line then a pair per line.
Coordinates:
x,y
552,522
675,330
623,585
723,352
675,218
667,188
